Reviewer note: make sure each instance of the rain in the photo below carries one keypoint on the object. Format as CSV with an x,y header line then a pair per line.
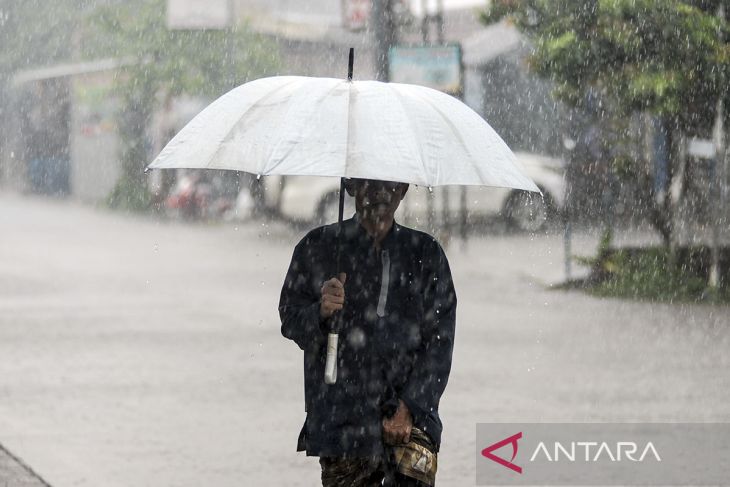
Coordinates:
x,y
535,229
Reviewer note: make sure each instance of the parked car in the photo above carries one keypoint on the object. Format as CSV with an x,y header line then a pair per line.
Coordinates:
x,y
316,199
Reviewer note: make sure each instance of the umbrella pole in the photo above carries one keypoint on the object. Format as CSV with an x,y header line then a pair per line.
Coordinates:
x,y
330,368
340,217
350,65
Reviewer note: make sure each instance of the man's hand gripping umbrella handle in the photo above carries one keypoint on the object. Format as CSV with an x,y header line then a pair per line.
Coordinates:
x,y
333,299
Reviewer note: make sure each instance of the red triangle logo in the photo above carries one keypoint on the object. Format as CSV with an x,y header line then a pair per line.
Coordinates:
x,y
487,452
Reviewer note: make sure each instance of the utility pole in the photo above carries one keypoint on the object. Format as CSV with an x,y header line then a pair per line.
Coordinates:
x,y
428,19
386,36
4,103
719,181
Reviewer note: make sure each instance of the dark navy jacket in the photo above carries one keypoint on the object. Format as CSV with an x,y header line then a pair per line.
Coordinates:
x,y
396,338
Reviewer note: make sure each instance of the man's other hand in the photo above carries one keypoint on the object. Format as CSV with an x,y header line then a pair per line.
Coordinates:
x,y
397,428
333,296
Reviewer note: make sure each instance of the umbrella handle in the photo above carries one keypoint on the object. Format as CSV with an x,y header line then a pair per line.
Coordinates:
x,y
330,368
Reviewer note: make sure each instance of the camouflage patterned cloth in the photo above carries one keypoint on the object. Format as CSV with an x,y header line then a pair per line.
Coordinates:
x,y
411,465
351,472
417,458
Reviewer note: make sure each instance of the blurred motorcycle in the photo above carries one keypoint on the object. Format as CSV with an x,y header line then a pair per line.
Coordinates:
x,y
200,196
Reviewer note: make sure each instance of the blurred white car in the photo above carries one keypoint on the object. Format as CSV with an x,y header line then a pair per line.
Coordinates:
x,y
315,199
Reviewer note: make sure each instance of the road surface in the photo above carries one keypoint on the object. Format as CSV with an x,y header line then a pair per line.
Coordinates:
x,y
138,352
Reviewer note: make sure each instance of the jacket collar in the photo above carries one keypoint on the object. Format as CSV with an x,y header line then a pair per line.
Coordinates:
x,y
355,231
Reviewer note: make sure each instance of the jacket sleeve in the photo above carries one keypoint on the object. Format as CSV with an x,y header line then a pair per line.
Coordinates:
x,y
430,372
299,302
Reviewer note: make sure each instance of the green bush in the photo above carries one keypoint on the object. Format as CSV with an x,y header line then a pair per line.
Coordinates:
x,y
646,273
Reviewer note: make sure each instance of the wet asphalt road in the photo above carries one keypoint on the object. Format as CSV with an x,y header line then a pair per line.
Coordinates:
x,y
136,352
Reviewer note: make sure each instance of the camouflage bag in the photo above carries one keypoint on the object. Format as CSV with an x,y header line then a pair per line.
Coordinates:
x,y
417,458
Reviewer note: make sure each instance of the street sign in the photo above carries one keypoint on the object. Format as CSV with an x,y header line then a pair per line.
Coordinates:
x,y
437,67
355,13
199,14
701,148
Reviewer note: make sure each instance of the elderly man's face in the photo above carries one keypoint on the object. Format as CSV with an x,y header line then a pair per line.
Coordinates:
x,y
374,199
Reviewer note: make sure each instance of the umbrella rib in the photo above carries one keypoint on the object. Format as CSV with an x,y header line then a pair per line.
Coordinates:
x,y
289,151
458,136
414,132
480,169
445,118
243,115
455,131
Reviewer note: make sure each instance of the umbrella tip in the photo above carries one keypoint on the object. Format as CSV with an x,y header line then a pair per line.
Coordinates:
x,y
147,169
350,64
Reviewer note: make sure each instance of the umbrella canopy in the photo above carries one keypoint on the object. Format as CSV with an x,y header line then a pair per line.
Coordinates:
x,y
295,125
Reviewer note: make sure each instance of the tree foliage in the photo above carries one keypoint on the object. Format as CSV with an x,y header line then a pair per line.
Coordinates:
x,y
34,33
669,58
201,62
162,63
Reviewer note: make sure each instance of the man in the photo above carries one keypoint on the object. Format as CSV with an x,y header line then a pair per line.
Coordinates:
x,y
394,305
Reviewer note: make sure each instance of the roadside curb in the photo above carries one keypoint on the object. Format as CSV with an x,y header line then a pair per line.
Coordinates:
x,y
16,473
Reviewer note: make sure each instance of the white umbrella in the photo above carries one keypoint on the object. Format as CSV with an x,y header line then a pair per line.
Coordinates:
x,y
295,125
